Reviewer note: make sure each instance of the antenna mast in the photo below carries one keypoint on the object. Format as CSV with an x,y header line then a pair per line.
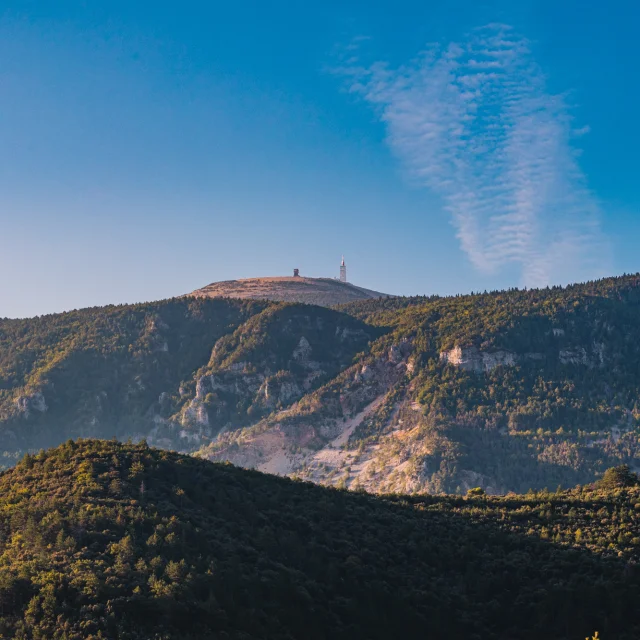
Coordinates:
x,y
343,271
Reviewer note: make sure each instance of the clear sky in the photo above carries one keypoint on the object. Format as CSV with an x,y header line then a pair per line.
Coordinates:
x,y
149,148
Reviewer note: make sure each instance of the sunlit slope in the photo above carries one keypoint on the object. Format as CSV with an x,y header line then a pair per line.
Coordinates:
x,y
505,390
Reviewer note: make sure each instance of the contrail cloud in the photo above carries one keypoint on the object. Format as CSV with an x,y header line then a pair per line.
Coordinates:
x,y
475,123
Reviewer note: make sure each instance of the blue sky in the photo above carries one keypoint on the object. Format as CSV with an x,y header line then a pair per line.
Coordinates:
x,y
147,149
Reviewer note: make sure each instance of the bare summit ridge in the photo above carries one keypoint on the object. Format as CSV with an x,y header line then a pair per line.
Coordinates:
x,y
321,291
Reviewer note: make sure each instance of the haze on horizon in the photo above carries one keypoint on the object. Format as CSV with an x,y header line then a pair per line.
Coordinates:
x,y
148,150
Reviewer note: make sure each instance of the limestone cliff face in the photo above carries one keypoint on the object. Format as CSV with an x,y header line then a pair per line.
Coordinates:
x,y
218,396
472,359
279,390
252,388
27,404
301,435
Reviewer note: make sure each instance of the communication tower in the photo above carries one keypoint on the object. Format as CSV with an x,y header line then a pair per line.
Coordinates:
x,y
343,271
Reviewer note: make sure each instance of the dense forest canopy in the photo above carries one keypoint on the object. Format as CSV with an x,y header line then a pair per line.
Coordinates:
x,y
102,540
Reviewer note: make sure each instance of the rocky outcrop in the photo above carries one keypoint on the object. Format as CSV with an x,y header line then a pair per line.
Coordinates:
x,y
195,413
365,373
577,355
395,354
302,352
277,390
213,408
29,403
472,359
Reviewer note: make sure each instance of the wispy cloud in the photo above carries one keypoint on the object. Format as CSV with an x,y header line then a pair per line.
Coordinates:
x,y
475,123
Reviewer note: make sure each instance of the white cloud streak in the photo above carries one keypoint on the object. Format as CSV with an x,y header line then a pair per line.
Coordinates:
x,y
475,123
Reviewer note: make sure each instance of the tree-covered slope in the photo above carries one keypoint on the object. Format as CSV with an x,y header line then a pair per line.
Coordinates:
x,y
106,540
268,363
100,371
507,390
519,388
142,370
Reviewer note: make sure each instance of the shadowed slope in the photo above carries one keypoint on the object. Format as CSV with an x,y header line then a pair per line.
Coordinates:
x,y
104,540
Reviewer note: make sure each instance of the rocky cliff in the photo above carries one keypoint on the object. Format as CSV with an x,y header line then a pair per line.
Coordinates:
x,y
265,365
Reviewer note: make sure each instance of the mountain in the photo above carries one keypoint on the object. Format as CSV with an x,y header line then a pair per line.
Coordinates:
x,y
325,292
107,540
176,372
100,371
506,391
270,361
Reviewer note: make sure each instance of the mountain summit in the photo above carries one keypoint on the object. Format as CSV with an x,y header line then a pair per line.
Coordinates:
x,y
321,291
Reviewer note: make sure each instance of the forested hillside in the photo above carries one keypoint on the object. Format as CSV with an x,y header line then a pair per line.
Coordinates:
x,y
266,364
148,370
519,388
505,390
105,540
100,372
